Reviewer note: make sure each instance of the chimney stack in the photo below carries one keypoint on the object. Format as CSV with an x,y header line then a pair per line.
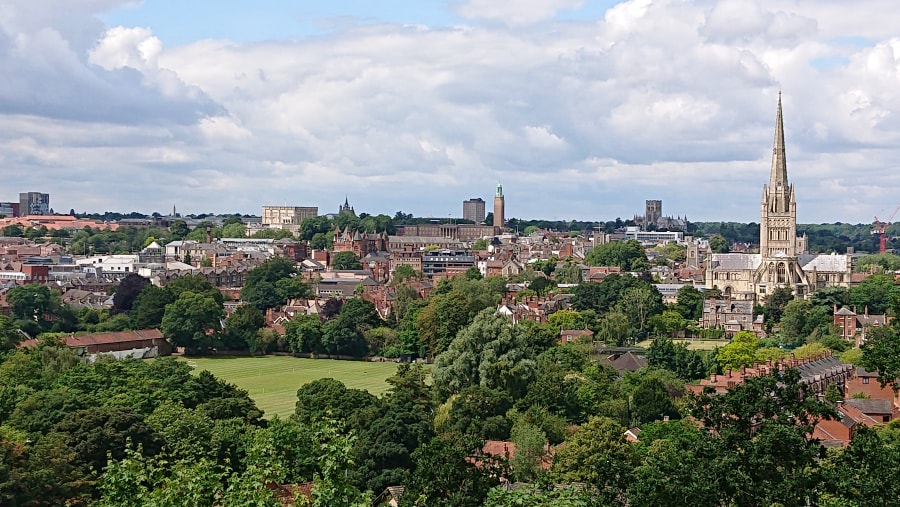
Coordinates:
x,y
208,234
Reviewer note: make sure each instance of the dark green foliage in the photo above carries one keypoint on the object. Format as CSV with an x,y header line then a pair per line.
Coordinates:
x,y
127,291
881,353
761,429
329,399
652,401
443,476
602,297
597,455
876,294
690,303
193,321
149,307
35,302
718,244
679,359
628,255
481,412
775,303
345,260
99,432
272,283
64,418
304,334
242,327
863,474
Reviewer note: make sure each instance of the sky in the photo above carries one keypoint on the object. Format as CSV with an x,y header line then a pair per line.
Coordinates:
x,y
582,109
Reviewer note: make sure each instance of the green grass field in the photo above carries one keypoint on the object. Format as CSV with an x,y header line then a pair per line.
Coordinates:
x,y
692,344
272,381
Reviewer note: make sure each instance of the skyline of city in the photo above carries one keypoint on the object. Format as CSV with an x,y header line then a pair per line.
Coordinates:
x,y
582,109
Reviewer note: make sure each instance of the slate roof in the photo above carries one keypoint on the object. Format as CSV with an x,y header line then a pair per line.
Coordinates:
x,y
830,262
871,406
736,261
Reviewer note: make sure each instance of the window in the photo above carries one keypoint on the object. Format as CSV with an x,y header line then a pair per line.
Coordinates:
x,y
865,380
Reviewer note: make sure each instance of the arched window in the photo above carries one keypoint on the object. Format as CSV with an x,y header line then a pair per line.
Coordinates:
x,y
782,273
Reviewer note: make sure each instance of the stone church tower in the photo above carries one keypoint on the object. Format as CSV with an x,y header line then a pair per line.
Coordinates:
x,y
779,246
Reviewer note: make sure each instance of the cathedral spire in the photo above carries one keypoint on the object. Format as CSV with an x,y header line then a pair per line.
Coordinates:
x,y
779,164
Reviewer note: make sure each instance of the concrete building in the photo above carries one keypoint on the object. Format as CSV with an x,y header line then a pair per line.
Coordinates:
x,y
445,263
34,203
288,218
473,209
655,237
499,208
9,209
782,260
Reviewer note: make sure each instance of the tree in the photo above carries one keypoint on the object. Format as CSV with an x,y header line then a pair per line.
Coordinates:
x,y
127,292
304,334
179,229
602,297
566,319
628,255
489,353
668,323
762,429
881,353
689,303
614,328
329,399
196,284
568,272
345,260
687,469
404,272
242,328
99,433
775,303
480,412
443,476
719,244
193,321
876,293
598,455
740,352
9,335
34,302
271,283
651,401
439,322
149,307
530,442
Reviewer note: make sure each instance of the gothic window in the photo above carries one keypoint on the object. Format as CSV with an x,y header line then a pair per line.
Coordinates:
x,y
771,274
782,273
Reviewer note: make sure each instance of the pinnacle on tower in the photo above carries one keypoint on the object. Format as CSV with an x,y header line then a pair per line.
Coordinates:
x,y
779,163
499,190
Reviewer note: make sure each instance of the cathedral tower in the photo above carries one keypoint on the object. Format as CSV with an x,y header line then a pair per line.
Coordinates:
x,y
778,243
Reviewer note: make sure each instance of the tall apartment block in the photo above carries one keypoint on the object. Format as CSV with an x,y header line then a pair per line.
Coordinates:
x,y
34,203
473,209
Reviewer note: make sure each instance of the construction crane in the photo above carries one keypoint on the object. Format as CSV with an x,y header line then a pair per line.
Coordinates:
x,y
879,230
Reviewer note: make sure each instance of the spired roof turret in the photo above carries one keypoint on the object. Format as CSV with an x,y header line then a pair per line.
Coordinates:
x,y
778,177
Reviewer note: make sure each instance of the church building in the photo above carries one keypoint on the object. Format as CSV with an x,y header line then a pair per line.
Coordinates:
x,y
783,260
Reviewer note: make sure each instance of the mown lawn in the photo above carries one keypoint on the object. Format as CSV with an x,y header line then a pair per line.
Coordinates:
x,y
692,344
272,381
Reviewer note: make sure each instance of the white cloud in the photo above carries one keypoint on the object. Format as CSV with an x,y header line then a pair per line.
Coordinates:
x,y
657,99
514,12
